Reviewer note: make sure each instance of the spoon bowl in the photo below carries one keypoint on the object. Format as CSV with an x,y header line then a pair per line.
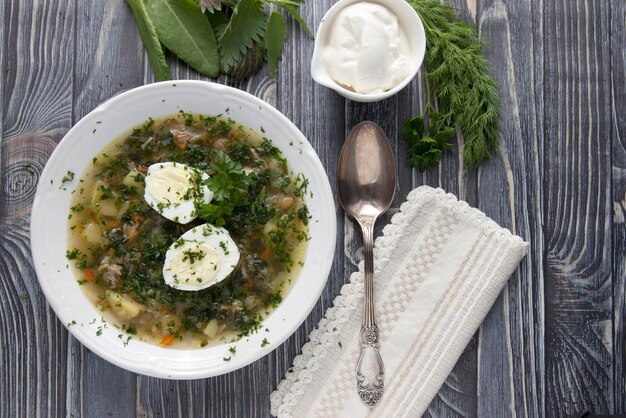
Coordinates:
x,y
366,177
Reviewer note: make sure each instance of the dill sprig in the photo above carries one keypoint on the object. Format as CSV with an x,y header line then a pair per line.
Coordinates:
x,y
457,74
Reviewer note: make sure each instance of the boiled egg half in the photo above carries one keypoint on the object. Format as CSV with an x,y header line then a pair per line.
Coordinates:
x,y
201,257
172,189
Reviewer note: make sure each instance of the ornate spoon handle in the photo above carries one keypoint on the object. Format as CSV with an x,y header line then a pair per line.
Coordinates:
x,y
369,392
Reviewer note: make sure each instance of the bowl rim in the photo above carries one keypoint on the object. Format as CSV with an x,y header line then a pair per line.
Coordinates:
x,y
277,337
318,67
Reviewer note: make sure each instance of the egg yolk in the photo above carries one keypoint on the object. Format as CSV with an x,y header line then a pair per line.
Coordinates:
x,y
195,263
170,184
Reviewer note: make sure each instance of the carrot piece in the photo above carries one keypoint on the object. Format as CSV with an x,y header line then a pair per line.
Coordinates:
x,y
90,275
136,217
142,169
167,340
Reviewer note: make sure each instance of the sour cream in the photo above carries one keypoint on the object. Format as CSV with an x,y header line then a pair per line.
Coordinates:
x,y
366,50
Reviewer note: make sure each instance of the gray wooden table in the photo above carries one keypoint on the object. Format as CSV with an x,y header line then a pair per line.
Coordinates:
x,y
554,342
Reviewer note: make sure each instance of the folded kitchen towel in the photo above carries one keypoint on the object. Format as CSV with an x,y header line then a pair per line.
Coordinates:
x,y
439,267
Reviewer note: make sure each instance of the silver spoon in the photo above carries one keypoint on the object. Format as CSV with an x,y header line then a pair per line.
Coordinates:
x,y
366,179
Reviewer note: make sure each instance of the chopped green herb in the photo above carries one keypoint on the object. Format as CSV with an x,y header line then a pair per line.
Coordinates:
x,y
68,178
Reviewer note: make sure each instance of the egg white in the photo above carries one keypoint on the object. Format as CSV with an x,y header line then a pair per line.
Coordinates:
x,y
201,257
166,191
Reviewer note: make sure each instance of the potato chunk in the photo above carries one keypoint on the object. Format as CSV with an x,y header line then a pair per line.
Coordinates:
x,y
131,181
92,234
211,329
123,306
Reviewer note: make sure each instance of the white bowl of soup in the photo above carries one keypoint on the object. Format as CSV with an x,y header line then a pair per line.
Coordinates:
x,y
183,229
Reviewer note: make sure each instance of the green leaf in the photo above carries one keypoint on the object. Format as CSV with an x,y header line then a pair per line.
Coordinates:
x,y
285,3
217,19
215,214
246,26
425,151
151,42
413,128
294,13
248,63
185,30
275,37
426,159
229,184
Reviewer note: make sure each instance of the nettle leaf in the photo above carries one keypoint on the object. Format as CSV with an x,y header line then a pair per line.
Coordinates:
x,y
185,30
219,21
249,63
275,37
246,26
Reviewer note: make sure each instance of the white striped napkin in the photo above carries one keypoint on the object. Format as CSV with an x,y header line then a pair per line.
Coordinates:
x,y
439,267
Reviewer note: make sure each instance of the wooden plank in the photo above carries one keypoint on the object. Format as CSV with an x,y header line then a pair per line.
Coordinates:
x,y
579,344
458,396
36,98
510,377
618,150
109,59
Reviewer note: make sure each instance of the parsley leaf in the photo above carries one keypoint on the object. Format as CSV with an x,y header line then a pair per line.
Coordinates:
x,y
230,186
215,214
426,149
229,182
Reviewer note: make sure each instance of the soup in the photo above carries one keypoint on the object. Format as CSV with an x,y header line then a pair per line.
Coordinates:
x,y
188,230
